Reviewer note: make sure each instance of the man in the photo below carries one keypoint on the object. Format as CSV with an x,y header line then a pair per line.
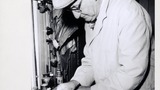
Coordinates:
x,y
117,44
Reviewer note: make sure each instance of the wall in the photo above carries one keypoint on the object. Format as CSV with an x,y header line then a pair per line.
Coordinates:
x,y
157,44
16,45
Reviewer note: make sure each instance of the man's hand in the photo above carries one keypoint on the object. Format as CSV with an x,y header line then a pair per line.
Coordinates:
x,y
84,88
67,86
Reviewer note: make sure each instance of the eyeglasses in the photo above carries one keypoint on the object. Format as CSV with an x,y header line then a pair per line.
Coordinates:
x,y
73,7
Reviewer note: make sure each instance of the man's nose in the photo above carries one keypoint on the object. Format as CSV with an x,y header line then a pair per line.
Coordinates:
x,y
76,14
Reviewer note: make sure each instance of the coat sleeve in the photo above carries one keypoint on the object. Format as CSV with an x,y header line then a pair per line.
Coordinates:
x,y
133,51
84,73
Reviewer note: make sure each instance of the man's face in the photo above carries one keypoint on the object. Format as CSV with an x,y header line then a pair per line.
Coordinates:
x,y
87,9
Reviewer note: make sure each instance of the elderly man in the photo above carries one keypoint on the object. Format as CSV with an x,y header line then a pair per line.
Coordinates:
x,y
117,44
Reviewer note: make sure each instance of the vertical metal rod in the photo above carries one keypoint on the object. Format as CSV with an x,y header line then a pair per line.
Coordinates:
x,y
36,44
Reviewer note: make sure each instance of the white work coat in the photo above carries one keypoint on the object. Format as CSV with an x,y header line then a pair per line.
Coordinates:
x,y
116,50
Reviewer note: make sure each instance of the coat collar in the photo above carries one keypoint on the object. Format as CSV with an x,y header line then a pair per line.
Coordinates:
x,y
101,17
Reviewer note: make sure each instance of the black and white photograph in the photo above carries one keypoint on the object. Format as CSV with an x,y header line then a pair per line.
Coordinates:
x,y
79,45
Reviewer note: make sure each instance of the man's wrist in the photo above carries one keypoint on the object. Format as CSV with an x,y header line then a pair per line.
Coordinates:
x,y
75,83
